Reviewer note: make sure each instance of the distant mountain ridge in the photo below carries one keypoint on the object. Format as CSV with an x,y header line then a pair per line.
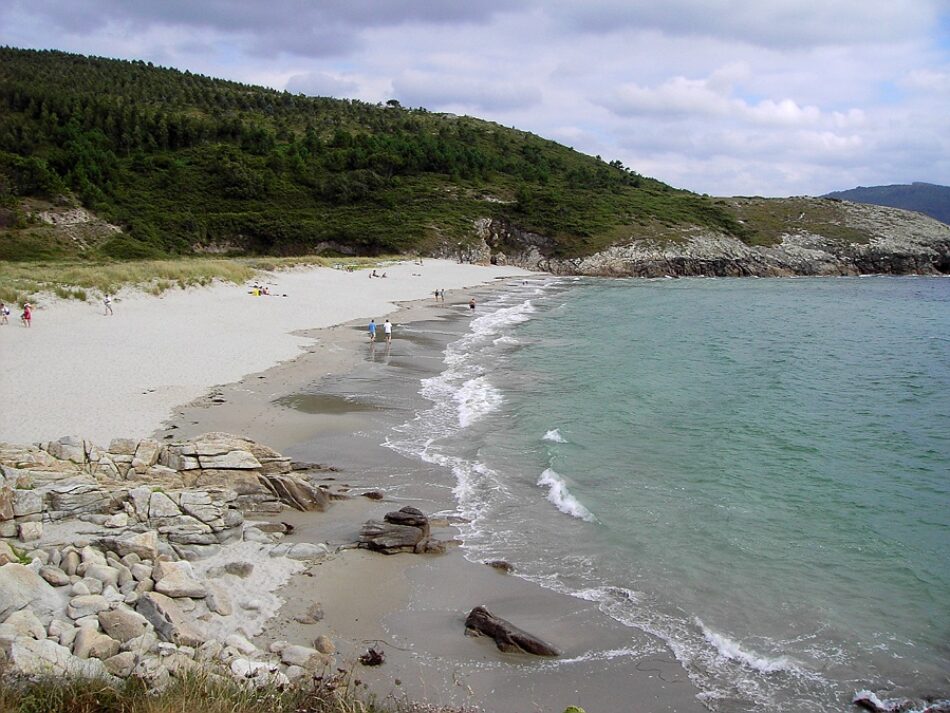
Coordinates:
x,y
927,198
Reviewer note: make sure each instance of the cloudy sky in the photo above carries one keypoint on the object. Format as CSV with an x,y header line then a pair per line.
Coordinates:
x,y
726,97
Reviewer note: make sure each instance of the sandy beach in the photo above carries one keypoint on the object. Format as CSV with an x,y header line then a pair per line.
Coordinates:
x,y
299,375
78,372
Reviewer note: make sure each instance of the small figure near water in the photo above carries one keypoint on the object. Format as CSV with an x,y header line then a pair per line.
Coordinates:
x,y
27,317
471,304
388,331
372,330
107,301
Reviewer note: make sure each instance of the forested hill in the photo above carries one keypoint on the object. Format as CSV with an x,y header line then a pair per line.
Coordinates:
x,y
175,163
926,198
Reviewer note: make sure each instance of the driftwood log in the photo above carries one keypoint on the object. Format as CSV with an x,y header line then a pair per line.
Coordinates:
x,y
507,636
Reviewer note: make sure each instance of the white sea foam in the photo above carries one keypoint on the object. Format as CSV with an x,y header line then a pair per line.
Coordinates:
x,y
554,435
733,650
561,497
506,340
475,399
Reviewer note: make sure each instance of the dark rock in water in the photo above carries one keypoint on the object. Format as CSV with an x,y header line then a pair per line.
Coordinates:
x,y
405,530
373,657
501,566
373,495
870,701
507,636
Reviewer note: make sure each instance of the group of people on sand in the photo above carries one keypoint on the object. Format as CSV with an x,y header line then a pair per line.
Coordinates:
x,y
26,318
387,331
374,274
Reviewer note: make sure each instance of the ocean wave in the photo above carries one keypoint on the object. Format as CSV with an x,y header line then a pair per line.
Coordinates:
x,y
733,651
561,497
500,319
476,398
505,339
554,436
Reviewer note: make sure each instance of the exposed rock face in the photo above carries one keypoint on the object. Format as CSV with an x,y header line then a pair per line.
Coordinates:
x,y
405,530
123,598
899,242
506,635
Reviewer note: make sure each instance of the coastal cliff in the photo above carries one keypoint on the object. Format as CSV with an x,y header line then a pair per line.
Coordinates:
x,y
801,236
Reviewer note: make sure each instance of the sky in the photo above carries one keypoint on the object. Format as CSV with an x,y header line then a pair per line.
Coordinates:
x,y
725,97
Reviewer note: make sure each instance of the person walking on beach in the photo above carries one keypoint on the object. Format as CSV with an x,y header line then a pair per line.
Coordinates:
x,y
388,331
27,317
471,304
4,314
107,301
442,294
372,330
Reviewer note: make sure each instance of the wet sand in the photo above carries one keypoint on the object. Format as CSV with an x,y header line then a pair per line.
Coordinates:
x,y
334,405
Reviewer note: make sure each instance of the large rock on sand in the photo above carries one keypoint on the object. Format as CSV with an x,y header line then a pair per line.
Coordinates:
x,y
404,530
507,636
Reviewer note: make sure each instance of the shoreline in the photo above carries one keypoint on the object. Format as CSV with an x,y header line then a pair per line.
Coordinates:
x,y
413,607
78,372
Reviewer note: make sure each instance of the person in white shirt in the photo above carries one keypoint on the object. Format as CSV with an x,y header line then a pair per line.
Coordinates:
x,y
388,330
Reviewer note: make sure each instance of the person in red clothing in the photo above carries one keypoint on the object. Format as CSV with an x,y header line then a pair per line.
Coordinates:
x,y
27,316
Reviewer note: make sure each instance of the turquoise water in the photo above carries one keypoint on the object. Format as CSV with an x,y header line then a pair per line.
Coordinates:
x,y
755,471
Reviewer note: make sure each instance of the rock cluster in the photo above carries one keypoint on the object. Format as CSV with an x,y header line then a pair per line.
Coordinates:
x,y
193,493
113,588
405,530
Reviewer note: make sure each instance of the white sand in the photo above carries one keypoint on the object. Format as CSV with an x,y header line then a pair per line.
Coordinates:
x,y
78,372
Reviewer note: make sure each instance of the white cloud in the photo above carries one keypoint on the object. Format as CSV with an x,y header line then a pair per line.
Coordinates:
x,y
719,96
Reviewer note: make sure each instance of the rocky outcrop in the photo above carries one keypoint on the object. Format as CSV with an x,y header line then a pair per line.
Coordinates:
x,y
405,530
507,636
114,585
858,239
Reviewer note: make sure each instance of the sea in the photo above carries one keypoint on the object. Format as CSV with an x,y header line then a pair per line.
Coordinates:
x,y
755,471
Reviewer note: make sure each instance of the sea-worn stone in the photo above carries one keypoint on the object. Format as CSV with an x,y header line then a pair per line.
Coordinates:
x,y
123,624
121,664
146,454
506,635
303,551
21,587
389,538
313,614
303,656
30,531
104,573
68,448
7,554
218,600
6,503
141,571
294,492
90,643
71,562
324,645
54,575
25,623
143,544
47,658
120,519
170,621
86,605
240,643
177,579
161,506
27,502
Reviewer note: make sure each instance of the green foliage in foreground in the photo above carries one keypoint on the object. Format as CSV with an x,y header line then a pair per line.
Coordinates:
x,y
195,692
183,162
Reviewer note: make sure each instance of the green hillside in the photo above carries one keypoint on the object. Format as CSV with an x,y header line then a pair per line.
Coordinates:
x,y
183,163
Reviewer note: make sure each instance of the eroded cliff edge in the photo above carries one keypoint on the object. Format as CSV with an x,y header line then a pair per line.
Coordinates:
x,y
802,236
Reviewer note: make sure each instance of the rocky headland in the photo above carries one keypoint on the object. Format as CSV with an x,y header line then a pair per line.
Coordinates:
x,y
806,236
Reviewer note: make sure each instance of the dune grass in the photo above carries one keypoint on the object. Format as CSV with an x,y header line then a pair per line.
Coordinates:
x,y
26,282
197,691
